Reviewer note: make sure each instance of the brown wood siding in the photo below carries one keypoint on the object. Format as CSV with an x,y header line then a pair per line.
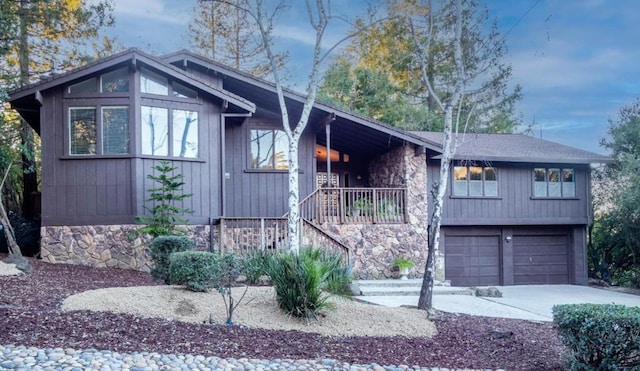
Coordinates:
x,y
85,191
202,177
253,193
515,204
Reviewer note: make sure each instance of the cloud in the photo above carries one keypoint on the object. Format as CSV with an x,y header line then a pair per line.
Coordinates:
x,y
151,10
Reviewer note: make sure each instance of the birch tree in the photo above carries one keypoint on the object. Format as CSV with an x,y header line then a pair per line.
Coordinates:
x,y
421,34
319,15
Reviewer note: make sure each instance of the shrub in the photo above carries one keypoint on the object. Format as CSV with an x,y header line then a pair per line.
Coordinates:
x,y
299,281
627,278
196,270
338,275
161,248
599,336
255,265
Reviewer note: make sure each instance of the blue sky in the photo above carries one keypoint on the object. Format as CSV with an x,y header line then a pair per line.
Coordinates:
x,y
577,60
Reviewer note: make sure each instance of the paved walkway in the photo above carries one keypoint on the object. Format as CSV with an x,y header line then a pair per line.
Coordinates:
x,y
530,302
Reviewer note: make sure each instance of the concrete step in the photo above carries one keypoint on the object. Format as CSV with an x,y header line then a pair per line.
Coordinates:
x,y
403,288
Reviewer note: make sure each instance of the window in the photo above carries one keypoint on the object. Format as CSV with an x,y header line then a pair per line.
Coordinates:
x,y
269,150
475,181
181,91
185,133
155,131
152,83
157,136
108,136
553,182
115,81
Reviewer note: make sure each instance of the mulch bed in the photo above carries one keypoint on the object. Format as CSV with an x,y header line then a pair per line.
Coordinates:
x,y
30,316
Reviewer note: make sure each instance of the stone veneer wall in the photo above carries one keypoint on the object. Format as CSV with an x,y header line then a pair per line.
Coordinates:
x,y
374,246
106,245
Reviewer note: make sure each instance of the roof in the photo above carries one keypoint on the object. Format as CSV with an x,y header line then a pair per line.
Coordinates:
x,y
349,131
514,148
24,99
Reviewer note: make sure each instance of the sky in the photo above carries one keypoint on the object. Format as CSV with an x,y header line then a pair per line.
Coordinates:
x,y
576,60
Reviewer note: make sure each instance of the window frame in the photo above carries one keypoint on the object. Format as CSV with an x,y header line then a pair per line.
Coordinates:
x,y
172,94
483,181
171,106
97,82
249,153
563,190
99,144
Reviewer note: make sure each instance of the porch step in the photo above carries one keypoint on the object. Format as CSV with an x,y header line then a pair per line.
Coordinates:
x,y
403,288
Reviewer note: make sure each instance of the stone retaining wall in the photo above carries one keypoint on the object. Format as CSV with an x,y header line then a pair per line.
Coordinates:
x,y
118,246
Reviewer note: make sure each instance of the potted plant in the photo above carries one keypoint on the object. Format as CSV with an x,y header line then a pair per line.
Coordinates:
x,y
403,264
361,206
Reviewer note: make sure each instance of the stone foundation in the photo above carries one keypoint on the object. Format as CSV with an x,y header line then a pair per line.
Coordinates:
x,y
119,246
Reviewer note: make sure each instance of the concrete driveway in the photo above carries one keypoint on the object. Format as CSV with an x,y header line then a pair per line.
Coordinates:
x,y
531,302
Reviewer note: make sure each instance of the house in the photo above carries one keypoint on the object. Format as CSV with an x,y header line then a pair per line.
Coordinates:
x,y
516,211
105,125
364,185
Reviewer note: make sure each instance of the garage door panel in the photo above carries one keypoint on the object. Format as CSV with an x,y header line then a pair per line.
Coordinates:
x,y
472,260
540,258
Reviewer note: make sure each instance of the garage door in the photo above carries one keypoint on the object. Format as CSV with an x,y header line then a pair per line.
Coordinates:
x,y
472,259
540,258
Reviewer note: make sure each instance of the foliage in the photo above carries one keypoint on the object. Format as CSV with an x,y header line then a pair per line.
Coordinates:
x,y
224,32
161,248
203,270
615,238
37,38
402,263
196,270
299,281
255,265
363,204
629,277
600,336
165,214
379,74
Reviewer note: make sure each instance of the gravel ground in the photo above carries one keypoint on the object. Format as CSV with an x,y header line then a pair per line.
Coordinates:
x,y
258,309
31,318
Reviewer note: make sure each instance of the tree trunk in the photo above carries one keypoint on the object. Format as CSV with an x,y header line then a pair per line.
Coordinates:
x,y
425,302
294,197
29,175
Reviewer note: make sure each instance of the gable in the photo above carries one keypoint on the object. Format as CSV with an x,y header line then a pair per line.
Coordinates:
x,y
28,99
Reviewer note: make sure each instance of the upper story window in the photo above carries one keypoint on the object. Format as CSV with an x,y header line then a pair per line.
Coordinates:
x,y
553,182
169,132
475,181
116,81
269,149
106,133
153,83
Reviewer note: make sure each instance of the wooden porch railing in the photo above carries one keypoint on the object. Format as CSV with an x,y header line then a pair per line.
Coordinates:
x,y
247,235
355,205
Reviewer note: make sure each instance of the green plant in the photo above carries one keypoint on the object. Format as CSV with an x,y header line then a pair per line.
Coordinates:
x,y
599,336
303,282
402,263
387,208
629,277
161,248
255,265
165,214
363,205
203,270
196,270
